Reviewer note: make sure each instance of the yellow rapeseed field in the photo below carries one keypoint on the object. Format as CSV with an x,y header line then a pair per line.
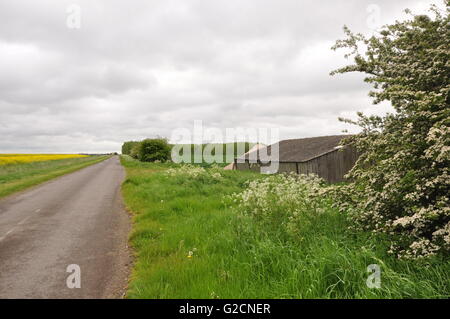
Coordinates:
x,y
29,158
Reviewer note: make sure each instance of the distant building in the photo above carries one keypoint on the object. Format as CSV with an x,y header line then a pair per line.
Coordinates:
x,y
321,155
255,147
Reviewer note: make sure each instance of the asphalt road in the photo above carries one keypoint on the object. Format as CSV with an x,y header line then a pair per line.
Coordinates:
x,y
76,219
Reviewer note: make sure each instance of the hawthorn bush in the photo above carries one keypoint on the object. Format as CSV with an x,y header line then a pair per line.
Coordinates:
x,y
401,182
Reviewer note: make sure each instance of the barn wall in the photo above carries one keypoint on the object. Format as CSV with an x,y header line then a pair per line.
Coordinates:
x,y
287,167
331,166
242,166
255,167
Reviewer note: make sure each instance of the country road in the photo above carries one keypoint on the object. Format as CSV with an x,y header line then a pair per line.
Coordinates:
x,y
76,219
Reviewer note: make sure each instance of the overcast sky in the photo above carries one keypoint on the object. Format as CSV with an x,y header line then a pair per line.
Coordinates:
x,y
136,69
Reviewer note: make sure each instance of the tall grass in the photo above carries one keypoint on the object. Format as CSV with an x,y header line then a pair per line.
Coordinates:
x,y
191,243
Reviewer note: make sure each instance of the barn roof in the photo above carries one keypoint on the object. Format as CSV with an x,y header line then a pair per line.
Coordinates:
x,y
301,149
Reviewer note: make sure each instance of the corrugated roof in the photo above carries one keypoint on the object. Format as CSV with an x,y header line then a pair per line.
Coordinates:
x,y
301,149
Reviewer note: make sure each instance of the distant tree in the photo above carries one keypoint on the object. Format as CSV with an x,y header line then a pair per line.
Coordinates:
x,y
128,146
157,149
134,153
401,182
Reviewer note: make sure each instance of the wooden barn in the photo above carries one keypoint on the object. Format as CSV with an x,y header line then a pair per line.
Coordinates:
x,y
321,155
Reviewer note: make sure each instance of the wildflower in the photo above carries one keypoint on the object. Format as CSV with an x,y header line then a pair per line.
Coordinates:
x,y
195,172
284,199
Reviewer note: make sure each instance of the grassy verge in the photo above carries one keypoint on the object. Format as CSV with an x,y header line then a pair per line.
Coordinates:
x,y
16,177
190,243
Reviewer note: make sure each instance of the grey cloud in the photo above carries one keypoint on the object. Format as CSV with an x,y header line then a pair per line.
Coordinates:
x,y
138,69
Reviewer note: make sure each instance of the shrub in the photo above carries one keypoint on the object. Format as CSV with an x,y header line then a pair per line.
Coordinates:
x,y
151,150
402,181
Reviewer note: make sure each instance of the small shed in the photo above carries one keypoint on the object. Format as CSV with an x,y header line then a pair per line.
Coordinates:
x,y
323,156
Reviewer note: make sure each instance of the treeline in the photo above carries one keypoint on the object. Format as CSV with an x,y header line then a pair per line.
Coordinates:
x,y
159,149
213,152
148,150
127,147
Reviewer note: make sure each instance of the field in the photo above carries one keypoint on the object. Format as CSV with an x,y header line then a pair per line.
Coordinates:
x,y
191,241
7,159
202,154
23,171
209,152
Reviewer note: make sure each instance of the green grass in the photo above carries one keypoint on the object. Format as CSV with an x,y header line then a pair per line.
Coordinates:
x,y
236,258
17,177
